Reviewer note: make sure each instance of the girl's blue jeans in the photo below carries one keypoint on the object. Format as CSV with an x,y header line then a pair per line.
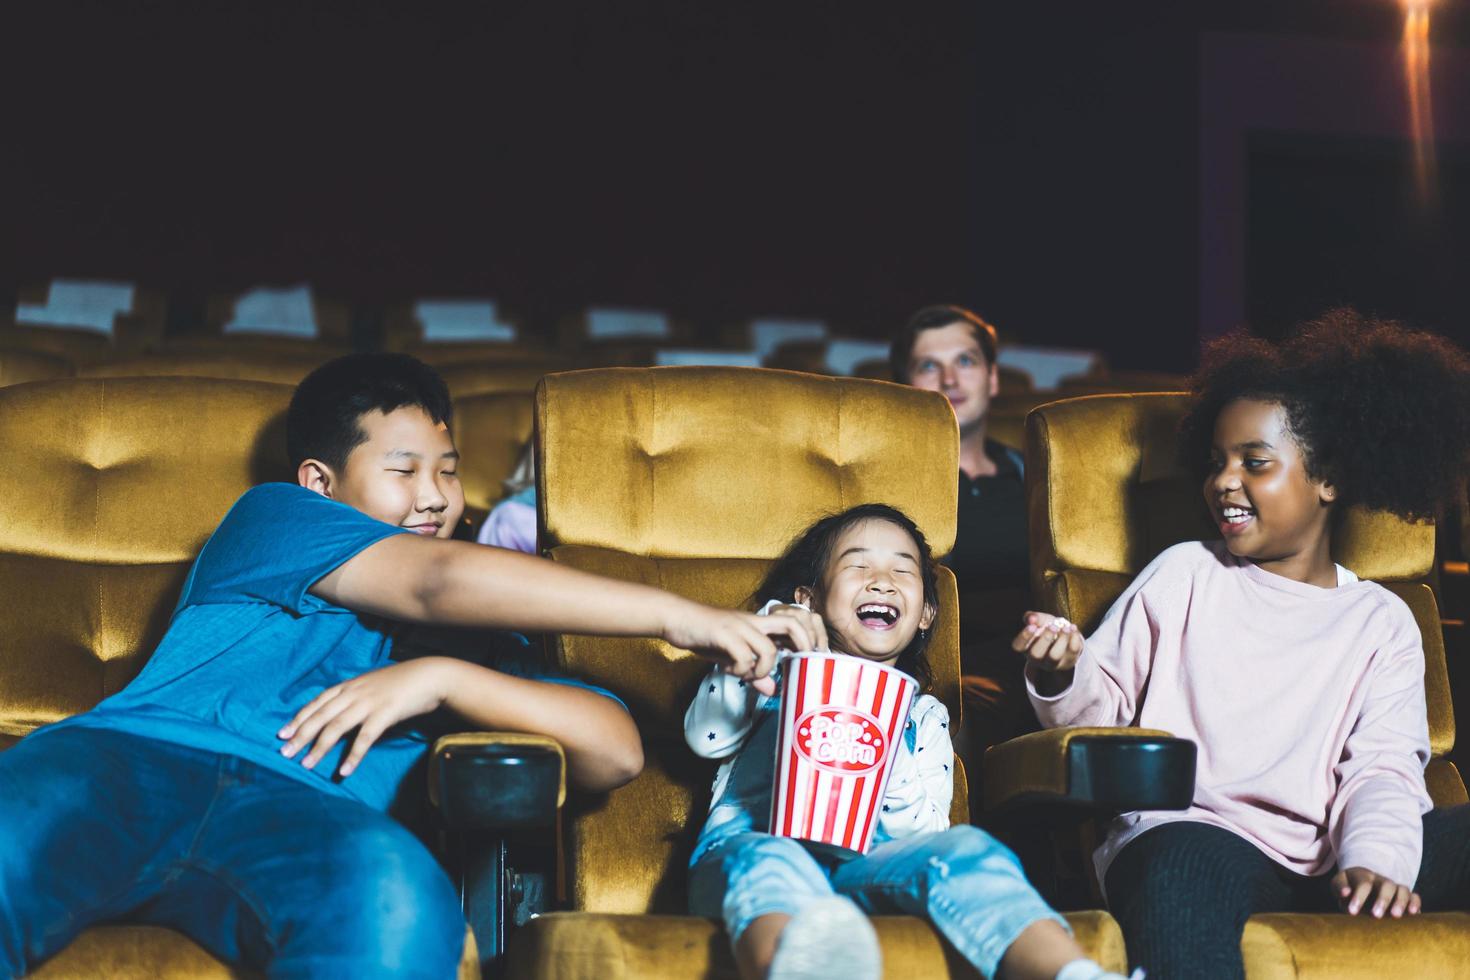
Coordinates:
x,y
968,884
260,869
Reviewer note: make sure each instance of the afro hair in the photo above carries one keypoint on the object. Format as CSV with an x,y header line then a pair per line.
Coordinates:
x,y
1380,412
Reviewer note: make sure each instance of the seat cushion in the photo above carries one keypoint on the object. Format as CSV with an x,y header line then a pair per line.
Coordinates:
x,y
154,953
590,946
134,951
1336,947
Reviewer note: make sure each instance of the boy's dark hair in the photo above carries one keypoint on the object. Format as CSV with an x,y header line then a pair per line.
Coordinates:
x,y
807,558
323,420
932,318
1379,411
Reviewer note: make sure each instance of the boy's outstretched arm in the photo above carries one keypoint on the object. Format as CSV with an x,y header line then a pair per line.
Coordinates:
x,y
456,583
601,742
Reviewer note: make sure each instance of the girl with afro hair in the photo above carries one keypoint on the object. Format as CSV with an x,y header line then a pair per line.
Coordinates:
x,y
1302,686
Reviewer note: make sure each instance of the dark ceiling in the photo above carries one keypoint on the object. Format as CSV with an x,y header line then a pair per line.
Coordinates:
x,y
841,159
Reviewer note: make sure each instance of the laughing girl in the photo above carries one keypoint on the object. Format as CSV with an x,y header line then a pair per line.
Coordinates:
x,y
865,581
1302,686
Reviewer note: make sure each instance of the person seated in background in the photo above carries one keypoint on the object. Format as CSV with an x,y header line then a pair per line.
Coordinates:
x,y
512,522
237,790
951,350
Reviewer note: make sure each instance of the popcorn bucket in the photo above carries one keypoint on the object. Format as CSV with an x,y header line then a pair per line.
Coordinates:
x,y
840,720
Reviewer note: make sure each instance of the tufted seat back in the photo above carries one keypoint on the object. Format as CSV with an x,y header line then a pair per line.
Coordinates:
x,y
694,480
733,462
485,376
18,365
492,431
1006,420
1108,491
244,364
110,488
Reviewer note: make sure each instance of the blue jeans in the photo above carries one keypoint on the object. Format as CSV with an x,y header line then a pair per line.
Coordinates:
x,y
258,868
968,884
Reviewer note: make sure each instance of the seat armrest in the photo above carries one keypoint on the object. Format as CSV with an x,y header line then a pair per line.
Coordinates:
x,y
497,780
1100,770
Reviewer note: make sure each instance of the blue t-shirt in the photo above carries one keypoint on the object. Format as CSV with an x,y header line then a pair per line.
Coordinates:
x,y
249,646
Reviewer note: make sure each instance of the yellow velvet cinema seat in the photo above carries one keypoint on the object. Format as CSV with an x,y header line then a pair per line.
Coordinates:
x,y
405,329
18,365
695,479
249,345
491,431
331,318
128,332
1107,494
486,376
1006,421
77,345
244,364
137,473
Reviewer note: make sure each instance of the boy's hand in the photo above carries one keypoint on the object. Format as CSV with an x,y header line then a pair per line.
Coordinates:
x,y
1359,890
742,642
808,619
1050,643
372,704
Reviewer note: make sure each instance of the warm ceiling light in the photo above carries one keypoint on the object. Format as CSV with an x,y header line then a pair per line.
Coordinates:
x,y
1421,112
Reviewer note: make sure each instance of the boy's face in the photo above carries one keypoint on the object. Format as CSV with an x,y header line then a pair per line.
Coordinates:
x,y
405,473
1258,490
872,595
949,360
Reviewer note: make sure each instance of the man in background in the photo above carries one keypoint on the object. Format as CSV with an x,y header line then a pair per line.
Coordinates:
x,y
952,350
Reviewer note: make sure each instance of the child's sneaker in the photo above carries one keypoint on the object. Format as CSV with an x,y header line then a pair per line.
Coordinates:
x,y
831,937
1088,970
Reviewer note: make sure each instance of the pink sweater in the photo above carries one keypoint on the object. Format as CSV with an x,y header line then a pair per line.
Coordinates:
x,y
1307,705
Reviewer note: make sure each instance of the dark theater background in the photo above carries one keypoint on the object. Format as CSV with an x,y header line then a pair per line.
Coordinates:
x,y
1041,162
595,225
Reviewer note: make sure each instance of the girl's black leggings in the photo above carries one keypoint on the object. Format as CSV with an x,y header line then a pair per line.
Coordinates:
x,y
1183,891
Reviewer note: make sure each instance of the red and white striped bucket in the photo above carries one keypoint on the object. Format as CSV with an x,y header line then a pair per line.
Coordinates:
x,y
841,719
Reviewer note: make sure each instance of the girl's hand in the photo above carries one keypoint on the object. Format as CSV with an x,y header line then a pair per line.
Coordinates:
x,y
1050,643
372,704
1359,889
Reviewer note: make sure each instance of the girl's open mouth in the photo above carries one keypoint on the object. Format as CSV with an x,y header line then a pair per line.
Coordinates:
x,y
877,615
1234,519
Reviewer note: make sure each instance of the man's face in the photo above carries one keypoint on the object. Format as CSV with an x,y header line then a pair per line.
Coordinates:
x,y
406,473
949,360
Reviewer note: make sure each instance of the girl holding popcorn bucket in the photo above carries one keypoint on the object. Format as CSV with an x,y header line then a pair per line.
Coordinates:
x,y
854,825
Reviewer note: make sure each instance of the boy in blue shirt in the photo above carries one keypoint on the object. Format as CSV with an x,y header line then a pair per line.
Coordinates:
x,y
237,790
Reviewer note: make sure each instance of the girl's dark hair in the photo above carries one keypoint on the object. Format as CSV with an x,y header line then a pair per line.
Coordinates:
x,y
1379,411
807,558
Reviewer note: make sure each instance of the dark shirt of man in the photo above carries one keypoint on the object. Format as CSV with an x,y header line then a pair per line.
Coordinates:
x,y
991,564
990,547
